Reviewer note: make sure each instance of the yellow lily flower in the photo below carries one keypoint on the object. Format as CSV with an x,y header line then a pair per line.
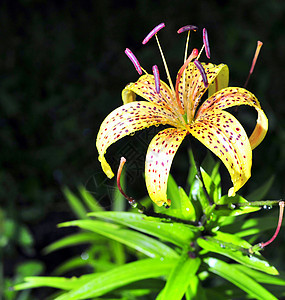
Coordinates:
x,y
216,128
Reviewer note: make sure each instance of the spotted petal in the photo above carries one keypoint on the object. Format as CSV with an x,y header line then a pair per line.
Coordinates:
x,y
159,158
127,119
145,87
220,82
191,87
222,133
234,96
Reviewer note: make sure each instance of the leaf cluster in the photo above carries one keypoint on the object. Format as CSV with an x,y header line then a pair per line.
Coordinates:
x,y
176,253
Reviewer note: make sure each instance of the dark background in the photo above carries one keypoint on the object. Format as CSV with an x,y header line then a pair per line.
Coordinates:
x,y
62,69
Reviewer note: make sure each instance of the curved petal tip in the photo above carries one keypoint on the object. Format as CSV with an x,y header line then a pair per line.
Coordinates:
x,y
106,167
231,192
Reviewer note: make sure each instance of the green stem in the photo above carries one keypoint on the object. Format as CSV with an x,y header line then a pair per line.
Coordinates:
x,y
199,174
252,203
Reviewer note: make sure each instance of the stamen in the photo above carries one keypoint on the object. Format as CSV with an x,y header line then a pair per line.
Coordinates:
x,y
281,205
153,32
156,78
134,60
131,200
200,52
187,28
206,42
147,38
202,72
166,68
258,47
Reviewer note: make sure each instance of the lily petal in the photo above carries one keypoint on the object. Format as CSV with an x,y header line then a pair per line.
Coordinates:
x,y
145,87
128,96
159,158
128,119
220,82
234,96
222,133
191,87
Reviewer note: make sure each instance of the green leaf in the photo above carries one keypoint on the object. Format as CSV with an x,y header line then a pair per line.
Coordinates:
x,y
30,268
71,264
214,191
89,200
262,191
230,246
140,242
75,204
195,291
208,163
118,252
18,233
121,276
200,192
176,233
194,196
54,282
72,240
151,285
187,208
99,265
180,278
261,277
197,194
181,207
244,282
192,170
216,177
184,210
172,192
252,226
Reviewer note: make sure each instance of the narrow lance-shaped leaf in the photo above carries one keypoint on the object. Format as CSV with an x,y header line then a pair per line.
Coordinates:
x,y
89,200
244,282
75,203
121,276
180,277
54,282
235,248
136,240
72,240
176,233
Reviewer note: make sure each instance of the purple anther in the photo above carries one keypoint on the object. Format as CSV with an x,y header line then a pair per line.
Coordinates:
x,y
187,28
153,32
206,42
202,72
134,60
156,78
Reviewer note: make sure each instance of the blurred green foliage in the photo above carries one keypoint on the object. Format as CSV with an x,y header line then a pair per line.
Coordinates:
x,y
62,69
